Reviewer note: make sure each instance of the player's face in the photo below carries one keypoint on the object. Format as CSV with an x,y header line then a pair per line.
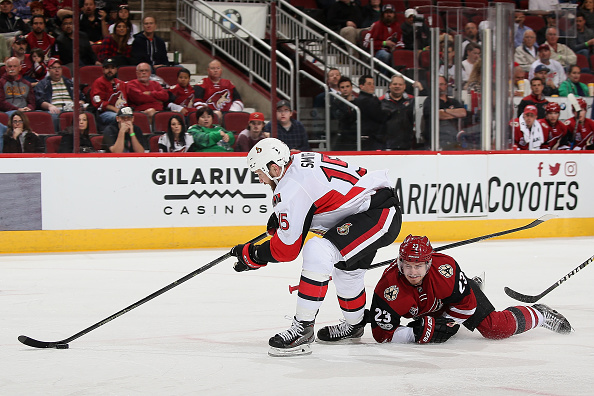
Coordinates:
x,y
529,118
553,117
265,179
582,115
413,272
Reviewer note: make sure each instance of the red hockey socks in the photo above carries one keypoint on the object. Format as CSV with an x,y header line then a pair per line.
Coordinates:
x,y
511,321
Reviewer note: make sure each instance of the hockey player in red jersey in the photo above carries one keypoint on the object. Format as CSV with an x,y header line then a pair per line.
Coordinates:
x,y
432,289
580,137
528,134
553,130
355,210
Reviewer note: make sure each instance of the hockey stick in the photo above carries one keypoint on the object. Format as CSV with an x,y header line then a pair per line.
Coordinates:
x,y
536,222
63,344
532,299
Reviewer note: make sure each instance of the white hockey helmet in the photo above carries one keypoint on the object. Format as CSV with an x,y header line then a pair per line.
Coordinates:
x,y
266,151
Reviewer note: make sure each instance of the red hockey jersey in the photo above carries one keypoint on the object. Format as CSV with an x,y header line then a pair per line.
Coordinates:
x,y
581,137
105,92
553,134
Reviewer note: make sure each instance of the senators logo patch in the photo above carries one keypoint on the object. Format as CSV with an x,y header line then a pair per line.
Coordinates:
x,y
344,229
446,270
391,293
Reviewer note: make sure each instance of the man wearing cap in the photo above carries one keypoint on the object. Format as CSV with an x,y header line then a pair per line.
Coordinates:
x,y
542,72
290,131
556,71
386,35
536,98
252,134
16,93
553,129
108,93
55,92
410,27
573,84
216,92
559,52
580,130
124,137
38,37
526,54
10,23
528,134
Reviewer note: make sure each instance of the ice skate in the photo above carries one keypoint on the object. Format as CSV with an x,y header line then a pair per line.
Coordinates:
x,y
553,320
294,341
341,332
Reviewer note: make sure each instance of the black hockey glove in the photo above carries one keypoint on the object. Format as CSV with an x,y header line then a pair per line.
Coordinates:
x,y
429,329
246,256
272,224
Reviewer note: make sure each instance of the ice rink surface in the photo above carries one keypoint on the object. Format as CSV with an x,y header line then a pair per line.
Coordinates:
x,y
210,334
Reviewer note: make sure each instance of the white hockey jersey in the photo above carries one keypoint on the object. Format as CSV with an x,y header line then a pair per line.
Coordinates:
x,y
316,193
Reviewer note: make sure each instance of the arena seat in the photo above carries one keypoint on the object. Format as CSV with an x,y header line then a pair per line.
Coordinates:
x,y
235,121
161,120
41,122
97,142
52,143
168,74
141,120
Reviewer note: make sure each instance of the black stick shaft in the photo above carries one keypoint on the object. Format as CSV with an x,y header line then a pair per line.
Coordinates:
x,y
532,299
42,344
536,222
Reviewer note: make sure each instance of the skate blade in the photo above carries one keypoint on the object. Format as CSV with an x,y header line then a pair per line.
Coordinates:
x,y
344,341
300,350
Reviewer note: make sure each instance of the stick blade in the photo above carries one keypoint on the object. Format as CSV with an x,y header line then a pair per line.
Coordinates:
x,y
35,343
520,297
546,217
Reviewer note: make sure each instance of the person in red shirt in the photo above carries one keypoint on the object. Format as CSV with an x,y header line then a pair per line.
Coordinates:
x,y
38,38
528,134
386,35
108,93
431,289
183,93
144,94
580,136
216,92
553,130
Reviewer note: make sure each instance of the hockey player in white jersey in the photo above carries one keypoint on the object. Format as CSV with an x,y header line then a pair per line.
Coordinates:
x,y
355,210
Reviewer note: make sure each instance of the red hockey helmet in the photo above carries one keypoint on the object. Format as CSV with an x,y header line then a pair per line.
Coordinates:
x,y
417,249
582,103
553,107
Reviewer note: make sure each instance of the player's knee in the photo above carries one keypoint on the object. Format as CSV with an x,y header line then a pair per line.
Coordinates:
x,y
320,255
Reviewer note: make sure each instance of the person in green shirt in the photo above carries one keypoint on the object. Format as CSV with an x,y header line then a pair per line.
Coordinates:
x,y
573,84
209,137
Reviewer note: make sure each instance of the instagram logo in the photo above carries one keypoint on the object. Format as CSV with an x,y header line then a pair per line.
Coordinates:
x,y
570,168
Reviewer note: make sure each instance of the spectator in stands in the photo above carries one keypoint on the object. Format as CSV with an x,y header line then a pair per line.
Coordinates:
x,y
474,83
19,49
556,71
216,92
450,111
372,115
182,94
290,131
519,83
67,141
38,37
124,15
346,135
91,21
19,138
55,93
449,60
21,9
520,28
108,93
332,77
37,70
535,99
370,13
386,35
543,72
550,21
252,134
209,137
50,23
177,139
527,53
580,136
527,133
16,93
57,8
9,22
125,137
343,13
411,29
583,43
64,46
399,127
553,129
587,9
116,45
560,52
149,48
573,84
472,54
471,35
144,94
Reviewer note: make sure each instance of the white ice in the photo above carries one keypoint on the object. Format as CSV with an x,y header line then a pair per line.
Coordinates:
x,y
210,334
